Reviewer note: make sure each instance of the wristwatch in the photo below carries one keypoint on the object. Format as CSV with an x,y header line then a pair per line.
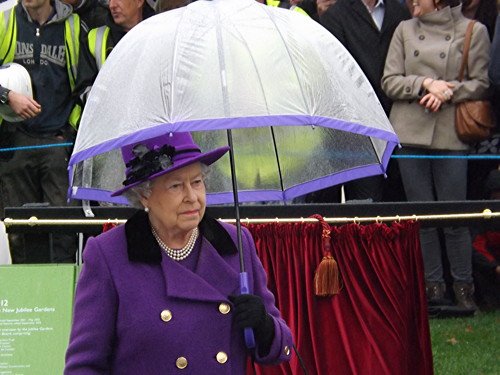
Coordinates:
x,y
4,97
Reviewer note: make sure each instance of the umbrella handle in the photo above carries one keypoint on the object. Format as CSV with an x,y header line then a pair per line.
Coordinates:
x,y
248,332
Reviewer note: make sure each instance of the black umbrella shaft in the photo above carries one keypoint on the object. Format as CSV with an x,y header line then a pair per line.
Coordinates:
x,y
235,197
278,161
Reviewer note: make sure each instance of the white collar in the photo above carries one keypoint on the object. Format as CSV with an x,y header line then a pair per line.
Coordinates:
x,y
377,4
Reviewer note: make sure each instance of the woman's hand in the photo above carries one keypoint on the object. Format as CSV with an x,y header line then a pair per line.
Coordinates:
x,y
440,89
23,105
431,102
250,312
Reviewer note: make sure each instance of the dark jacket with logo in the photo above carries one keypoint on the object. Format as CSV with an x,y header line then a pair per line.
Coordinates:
x,y
41,50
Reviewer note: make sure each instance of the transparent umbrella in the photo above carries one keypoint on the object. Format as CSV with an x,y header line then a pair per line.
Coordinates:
x,y
241,65
299,112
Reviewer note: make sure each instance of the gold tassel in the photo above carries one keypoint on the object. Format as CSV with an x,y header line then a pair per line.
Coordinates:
x,y
326,277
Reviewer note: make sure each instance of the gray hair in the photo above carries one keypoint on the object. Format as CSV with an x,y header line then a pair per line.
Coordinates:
x,y
144,189
135,193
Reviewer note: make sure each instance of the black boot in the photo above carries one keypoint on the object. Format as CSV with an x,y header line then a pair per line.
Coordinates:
x,y
435,293
464,295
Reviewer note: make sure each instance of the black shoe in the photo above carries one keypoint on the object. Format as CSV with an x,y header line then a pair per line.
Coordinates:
x,y
464,294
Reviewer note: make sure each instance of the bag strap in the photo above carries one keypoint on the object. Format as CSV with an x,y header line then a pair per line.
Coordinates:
x,y
465,53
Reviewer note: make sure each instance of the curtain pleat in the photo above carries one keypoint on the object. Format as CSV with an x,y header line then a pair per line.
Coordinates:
x,y
378,323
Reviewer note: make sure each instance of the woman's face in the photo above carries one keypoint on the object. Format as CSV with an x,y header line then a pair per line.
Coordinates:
x,y
421,7
177,201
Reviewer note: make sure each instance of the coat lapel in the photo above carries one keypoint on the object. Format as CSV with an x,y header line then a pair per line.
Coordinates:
x,y
141,245
213,280
359,7
216,275
389,17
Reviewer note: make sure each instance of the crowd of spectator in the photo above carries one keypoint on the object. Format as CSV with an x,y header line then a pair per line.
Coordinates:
x,y
410,52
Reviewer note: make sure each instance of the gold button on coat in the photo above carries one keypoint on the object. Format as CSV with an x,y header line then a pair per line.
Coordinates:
x,y
221,357
224,308
166,315
181,363
287,350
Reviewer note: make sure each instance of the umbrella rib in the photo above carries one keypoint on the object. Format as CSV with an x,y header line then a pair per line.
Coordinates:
x,y
292,62
277,160
255,69
174,67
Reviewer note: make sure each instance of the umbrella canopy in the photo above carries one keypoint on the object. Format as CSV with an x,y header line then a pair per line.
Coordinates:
x,y
303,114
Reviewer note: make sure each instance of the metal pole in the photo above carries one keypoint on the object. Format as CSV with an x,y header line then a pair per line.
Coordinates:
x,y
236,200
486,214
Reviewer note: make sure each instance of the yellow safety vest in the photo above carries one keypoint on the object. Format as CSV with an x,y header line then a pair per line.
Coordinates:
x,y
98,39
8,37
276,3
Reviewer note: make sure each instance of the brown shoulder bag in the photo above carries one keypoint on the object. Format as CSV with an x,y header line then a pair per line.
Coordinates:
x,y
474,120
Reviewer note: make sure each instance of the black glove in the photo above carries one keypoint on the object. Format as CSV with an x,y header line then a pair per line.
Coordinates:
x,y
250,312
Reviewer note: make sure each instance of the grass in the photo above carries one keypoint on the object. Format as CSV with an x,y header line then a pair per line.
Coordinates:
x,y
467,346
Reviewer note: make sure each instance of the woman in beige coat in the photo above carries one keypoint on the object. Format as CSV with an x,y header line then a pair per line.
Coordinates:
x,y
420,75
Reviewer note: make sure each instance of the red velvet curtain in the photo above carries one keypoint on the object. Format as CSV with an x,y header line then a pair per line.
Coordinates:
x,y
378,323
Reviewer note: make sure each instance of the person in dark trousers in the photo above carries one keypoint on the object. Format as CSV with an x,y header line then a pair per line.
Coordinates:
x,y
365,28
420,74
46,38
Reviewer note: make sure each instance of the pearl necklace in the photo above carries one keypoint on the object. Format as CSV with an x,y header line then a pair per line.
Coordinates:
x,y
180,254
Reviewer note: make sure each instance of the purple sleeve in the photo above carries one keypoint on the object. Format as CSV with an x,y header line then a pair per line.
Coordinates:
x,y
281,348
92,333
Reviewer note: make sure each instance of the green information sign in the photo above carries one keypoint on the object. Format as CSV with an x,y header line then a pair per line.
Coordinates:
x,y
36,305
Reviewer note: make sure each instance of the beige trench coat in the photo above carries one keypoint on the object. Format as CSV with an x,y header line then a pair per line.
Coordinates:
x,y
431,46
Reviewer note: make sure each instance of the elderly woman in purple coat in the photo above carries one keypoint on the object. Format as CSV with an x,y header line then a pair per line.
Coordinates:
x,y
159,295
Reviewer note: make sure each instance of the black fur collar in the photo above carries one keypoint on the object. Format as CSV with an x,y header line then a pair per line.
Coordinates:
x,y
142,246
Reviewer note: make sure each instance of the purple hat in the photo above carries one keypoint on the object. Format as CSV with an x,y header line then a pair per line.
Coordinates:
x,y
154,157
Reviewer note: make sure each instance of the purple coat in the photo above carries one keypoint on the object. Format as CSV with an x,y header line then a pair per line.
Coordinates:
x,y
139,312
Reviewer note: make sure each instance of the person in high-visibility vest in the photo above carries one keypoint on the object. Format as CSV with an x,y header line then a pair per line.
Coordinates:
x,y
45,37
124,15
